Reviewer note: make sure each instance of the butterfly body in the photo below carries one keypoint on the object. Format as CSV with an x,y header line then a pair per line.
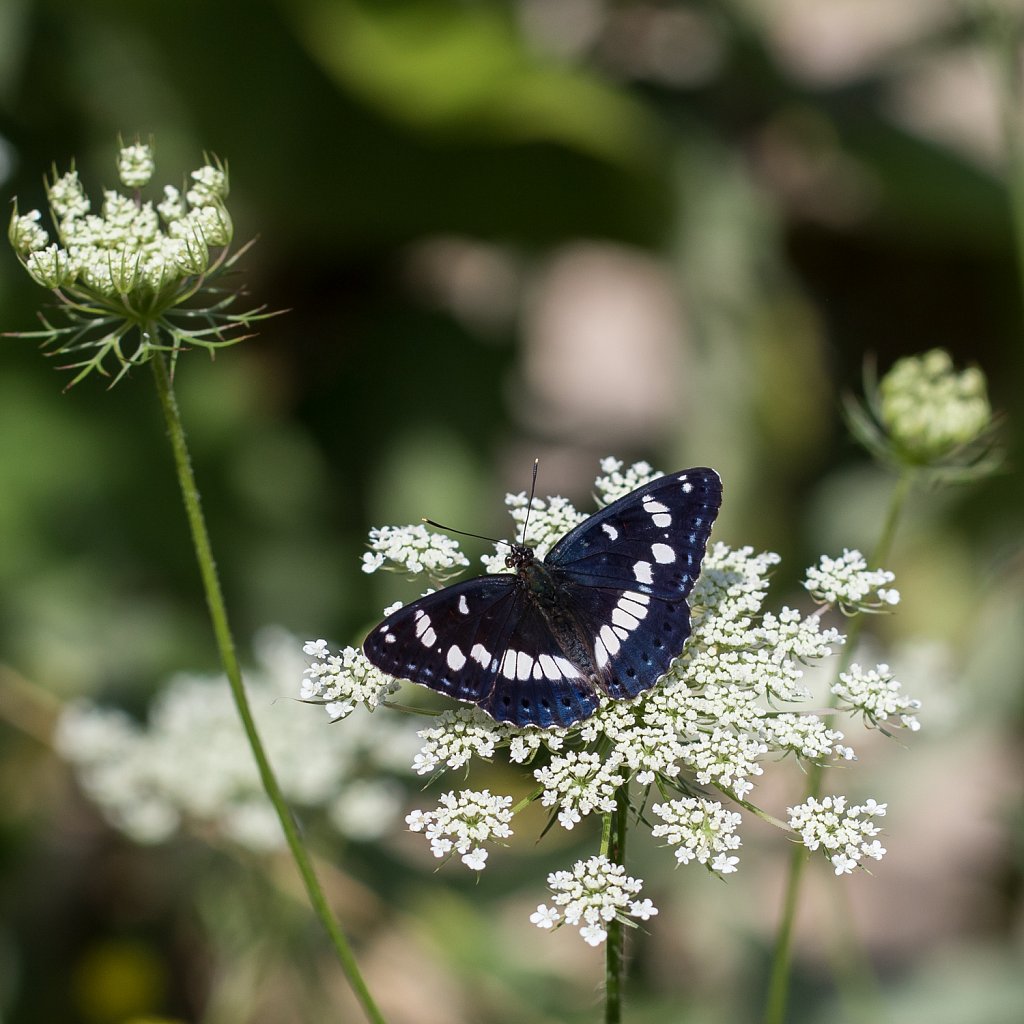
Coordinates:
x,y
604,613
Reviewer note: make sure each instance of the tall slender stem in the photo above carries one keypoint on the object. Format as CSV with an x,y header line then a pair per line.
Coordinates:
x,y
1006,29
615,840
778,983
229,661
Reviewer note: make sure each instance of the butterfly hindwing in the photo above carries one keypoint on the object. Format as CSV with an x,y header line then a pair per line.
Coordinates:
x,y
635,636
482,641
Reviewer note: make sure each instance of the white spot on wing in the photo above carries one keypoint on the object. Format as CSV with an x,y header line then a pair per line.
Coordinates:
x,y
569,670
663,553
456,659
508,665
610,530
653,506
629,604
463,606
662,519
600,654
480,654
620,617
524,665
620,632
422,623
390,638
611,641
429,638
642,572
548,666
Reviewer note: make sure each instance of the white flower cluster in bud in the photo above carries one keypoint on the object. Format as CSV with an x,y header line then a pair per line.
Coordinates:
x,y
929,409
131,249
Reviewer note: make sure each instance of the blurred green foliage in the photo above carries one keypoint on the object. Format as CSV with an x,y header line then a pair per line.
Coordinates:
x,y
414,170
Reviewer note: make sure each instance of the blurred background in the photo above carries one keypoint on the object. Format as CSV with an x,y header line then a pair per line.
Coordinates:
x,y
554,228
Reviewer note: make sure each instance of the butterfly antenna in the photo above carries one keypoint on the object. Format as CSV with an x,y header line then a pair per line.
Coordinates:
x,y
462,533
529,506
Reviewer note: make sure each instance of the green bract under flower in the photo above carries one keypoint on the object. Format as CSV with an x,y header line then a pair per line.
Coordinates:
x,y
132,278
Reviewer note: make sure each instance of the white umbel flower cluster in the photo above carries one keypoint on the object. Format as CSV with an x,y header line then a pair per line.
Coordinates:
x,y
191,761
849,583
458,736
700,830
135,165
847,835
728,707
549,520
342,681
878,696
413,549
463,823
579,784
614,483
595,892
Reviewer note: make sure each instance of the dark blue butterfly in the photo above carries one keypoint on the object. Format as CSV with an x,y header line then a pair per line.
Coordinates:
x,y
604,613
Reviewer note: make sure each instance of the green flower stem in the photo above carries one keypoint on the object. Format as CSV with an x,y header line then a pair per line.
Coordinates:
x,y
778,983
1005,31
229,660
613,845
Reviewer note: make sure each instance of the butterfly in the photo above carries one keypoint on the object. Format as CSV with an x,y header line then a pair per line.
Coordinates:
x,y
603,614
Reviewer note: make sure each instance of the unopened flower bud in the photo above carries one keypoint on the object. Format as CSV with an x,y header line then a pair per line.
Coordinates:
x,y
50,267
929,409
25,233
135,165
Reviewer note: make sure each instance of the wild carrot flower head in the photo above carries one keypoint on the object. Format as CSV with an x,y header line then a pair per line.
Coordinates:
x,y
732,704
133,276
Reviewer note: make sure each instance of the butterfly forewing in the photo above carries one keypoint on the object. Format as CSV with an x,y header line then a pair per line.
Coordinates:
x,y
605,612
629,570
652,540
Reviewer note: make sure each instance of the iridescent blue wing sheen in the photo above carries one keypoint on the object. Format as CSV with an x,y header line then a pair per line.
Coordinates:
x,y
484,641
626,573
